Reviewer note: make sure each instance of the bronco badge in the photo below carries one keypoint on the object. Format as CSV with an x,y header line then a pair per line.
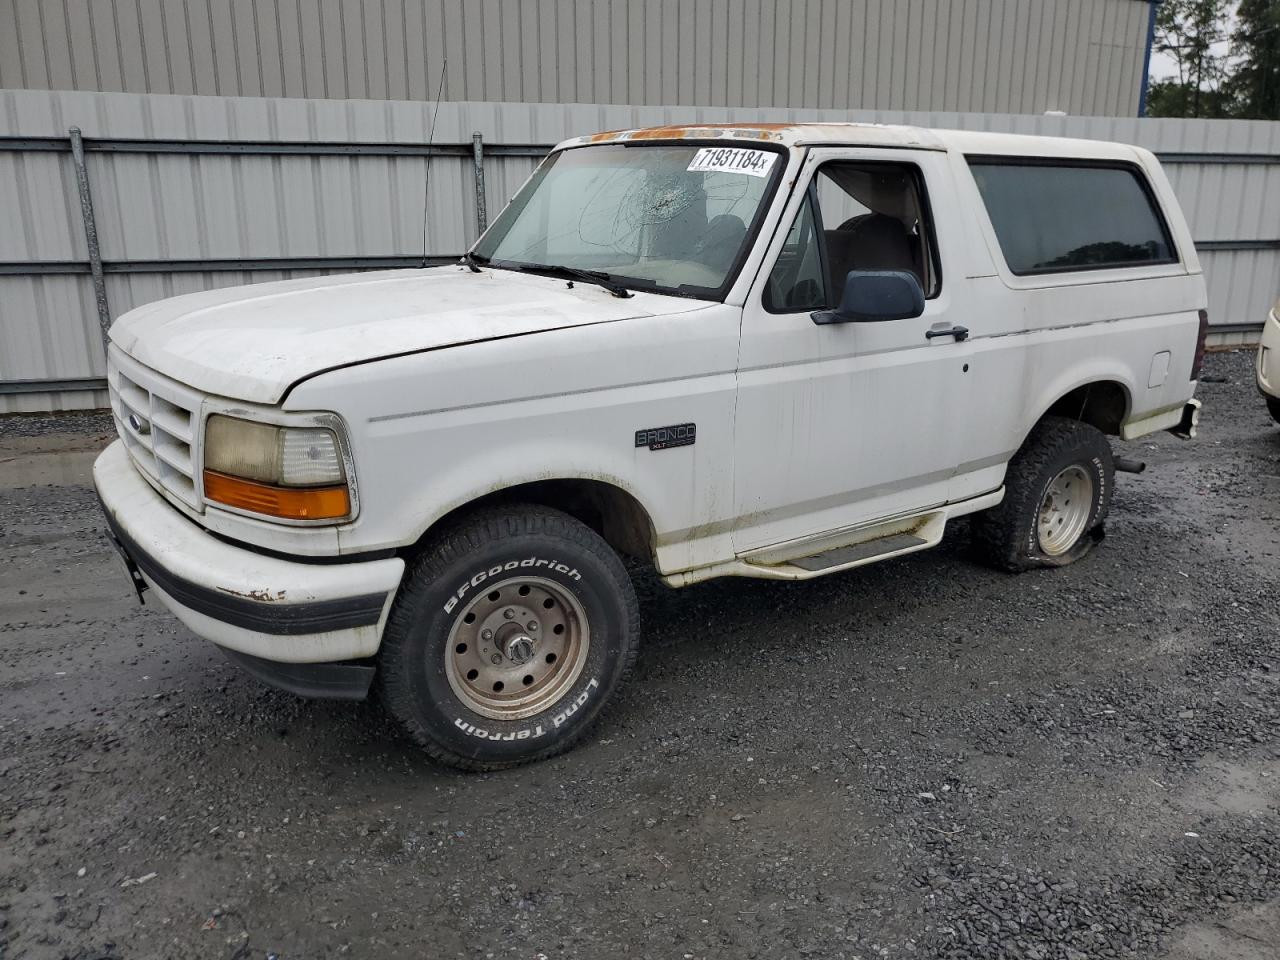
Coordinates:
x,y
661,438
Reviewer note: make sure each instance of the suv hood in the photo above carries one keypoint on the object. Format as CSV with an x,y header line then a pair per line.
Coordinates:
x,y
253,343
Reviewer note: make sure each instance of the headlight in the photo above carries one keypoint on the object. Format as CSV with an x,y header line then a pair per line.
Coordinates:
x,y
293,473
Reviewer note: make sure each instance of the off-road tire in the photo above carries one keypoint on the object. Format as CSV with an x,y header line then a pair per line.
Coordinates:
x,y
1006,536
483,549
1273,405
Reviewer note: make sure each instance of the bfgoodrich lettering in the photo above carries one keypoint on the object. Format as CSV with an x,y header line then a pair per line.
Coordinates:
x,y
499,569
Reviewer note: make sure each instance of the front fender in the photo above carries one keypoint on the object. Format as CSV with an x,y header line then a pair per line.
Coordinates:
x,y
436,431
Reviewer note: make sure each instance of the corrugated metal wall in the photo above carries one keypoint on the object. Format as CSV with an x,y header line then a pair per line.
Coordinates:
x,y
173,221
996,56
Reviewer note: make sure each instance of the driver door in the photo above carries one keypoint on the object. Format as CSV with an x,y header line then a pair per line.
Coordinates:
x,y
843,424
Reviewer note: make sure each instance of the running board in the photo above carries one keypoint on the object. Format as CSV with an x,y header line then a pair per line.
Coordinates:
x,y
852,548
841,556
840,549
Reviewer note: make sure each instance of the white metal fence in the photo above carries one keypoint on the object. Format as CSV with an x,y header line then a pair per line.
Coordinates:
x,y
1009,56
197,192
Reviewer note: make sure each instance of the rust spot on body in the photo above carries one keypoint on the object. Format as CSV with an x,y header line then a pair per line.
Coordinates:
x,y
768,125
262,595
746,131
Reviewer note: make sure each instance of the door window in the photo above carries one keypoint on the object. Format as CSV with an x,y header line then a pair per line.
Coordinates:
x,y
856,216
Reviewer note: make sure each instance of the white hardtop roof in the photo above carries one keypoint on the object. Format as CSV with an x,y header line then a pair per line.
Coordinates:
x,y
871,135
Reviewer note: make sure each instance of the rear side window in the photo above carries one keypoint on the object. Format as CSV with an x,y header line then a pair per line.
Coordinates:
x,y
1063,216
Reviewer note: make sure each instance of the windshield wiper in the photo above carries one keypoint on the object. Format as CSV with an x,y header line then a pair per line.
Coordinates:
x,y
474,260
598,277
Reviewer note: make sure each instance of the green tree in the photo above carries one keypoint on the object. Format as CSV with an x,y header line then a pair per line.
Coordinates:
x,y
1188,31
1169,98
1255,83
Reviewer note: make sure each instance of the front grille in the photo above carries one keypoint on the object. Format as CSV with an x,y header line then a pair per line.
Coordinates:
x,y
157,418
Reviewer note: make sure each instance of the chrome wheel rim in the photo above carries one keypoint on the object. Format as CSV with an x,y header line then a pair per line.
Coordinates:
x,y
517,648
1064,511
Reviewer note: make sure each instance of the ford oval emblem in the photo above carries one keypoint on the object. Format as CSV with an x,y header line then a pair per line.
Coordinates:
x,y
139,425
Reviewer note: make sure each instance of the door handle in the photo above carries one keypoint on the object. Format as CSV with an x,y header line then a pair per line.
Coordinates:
x,y
960,333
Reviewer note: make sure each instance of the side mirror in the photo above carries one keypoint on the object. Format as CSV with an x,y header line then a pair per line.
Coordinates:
x,y
874,295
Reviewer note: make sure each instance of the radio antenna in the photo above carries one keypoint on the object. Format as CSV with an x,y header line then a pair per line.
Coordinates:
x,y
426,176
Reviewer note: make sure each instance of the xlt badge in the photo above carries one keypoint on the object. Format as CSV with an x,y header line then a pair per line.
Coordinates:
x,y
661,438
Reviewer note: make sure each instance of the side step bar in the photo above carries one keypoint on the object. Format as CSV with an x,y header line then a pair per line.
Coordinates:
x,y
840,549
840,556
853,548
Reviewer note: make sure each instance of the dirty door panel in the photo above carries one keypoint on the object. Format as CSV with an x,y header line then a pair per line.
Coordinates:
x,y
844,423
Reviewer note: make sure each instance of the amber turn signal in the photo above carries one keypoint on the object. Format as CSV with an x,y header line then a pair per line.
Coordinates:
x,y
287,503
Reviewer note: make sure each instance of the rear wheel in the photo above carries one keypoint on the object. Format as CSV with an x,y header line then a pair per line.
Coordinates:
x,y
1057,494
511,632
1273,404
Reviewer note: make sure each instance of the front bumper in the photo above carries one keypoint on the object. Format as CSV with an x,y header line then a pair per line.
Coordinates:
x,y
264,607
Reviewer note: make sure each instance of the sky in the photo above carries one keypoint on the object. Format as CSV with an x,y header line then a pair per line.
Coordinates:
x,y
1164,66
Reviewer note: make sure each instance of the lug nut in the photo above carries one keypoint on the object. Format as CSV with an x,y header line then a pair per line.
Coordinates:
x,y
486,635
496,658
533,625
509,613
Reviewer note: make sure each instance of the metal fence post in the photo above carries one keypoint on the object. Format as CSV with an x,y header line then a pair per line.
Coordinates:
x,y
90,233
477,152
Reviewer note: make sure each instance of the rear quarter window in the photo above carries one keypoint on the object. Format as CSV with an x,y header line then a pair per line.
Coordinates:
x,y
1058,217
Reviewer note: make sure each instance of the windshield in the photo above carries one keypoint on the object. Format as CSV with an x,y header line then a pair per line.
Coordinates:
x,y
668,218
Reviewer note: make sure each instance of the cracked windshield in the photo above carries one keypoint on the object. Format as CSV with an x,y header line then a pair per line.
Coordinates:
x,y
673,219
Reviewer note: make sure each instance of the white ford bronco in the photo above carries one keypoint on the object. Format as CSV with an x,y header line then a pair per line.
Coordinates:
x,y
775,351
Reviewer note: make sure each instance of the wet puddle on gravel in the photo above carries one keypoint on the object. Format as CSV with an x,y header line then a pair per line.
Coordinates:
x,y
58,468
1249,934
1223,787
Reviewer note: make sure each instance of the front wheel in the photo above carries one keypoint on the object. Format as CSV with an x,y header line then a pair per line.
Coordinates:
x,y
1057,494
509,635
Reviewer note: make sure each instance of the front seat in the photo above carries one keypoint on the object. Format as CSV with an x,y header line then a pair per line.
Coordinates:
x,y
883,239
881,242
721,242
872,241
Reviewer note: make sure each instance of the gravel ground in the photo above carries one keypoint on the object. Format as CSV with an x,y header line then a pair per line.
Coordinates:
x,y
923,758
